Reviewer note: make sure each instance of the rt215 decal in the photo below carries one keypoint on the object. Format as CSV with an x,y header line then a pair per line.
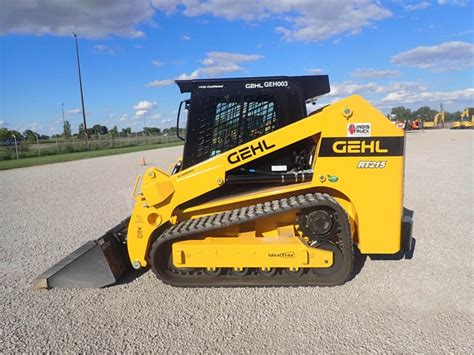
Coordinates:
x,y
372,164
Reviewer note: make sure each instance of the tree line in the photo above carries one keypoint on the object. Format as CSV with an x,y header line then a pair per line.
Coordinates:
x,y
424,113
31,136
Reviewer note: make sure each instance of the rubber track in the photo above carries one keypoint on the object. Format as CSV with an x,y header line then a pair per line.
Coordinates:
x,y
199,226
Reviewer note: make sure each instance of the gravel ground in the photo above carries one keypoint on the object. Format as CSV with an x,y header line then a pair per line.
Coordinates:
x,y
420,305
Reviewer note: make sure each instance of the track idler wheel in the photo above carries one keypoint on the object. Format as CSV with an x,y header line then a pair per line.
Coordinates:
x,y
318,224
336,261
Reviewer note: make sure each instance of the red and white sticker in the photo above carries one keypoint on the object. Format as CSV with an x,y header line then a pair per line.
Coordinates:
x,y
358,129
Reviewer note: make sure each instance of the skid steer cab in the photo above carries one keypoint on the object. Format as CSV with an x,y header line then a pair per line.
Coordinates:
x,y
265,194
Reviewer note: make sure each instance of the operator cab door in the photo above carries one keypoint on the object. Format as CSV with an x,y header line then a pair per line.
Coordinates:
x,y
219,120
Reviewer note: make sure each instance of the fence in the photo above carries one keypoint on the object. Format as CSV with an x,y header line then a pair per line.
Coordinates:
x,y
27,149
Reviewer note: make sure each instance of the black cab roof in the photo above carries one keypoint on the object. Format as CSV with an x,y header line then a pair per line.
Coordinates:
x,y
309,86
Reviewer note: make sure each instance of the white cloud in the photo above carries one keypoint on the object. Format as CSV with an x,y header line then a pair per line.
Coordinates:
x,y
160,83
145,105
74,111
102,48
462,33
3,124
417,6
92,19
218,70
232,10
186,38
141,117
194,75
307,20
369,73
300,20
124,117
166,82
448,56
453,2
224,58
315,71
166,121
347,88
33,126
333,18
405,85
167,6
135,123
144,108
218,63
154,117
213,65
141,113
158,63
409,96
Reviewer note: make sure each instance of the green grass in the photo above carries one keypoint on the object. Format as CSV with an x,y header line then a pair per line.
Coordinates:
x,y
51,159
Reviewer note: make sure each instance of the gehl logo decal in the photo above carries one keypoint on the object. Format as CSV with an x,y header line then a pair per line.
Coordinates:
x,y
357,147
249,151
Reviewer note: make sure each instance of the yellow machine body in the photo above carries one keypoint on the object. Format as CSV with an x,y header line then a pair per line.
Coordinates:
x,y
363,173
467,120
264,195
435,123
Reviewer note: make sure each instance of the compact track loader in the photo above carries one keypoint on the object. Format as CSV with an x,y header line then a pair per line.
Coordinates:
x,y
264,195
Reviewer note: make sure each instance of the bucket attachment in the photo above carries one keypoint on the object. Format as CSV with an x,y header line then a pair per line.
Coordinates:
x,y
98,263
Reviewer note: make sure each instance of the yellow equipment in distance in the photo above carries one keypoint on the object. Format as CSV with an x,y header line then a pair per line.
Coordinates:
x,y
434,124
467,119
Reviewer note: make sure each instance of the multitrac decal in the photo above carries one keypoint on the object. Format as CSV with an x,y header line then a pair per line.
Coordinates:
x,y
288,254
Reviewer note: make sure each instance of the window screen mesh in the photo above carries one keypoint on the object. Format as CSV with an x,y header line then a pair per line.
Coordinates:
x,y
226,122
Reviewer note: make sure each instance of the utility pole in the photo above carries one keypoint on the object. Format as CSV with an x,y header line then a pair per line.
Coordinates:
x,y
82,95
443,117
38,144
16,146
64,122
